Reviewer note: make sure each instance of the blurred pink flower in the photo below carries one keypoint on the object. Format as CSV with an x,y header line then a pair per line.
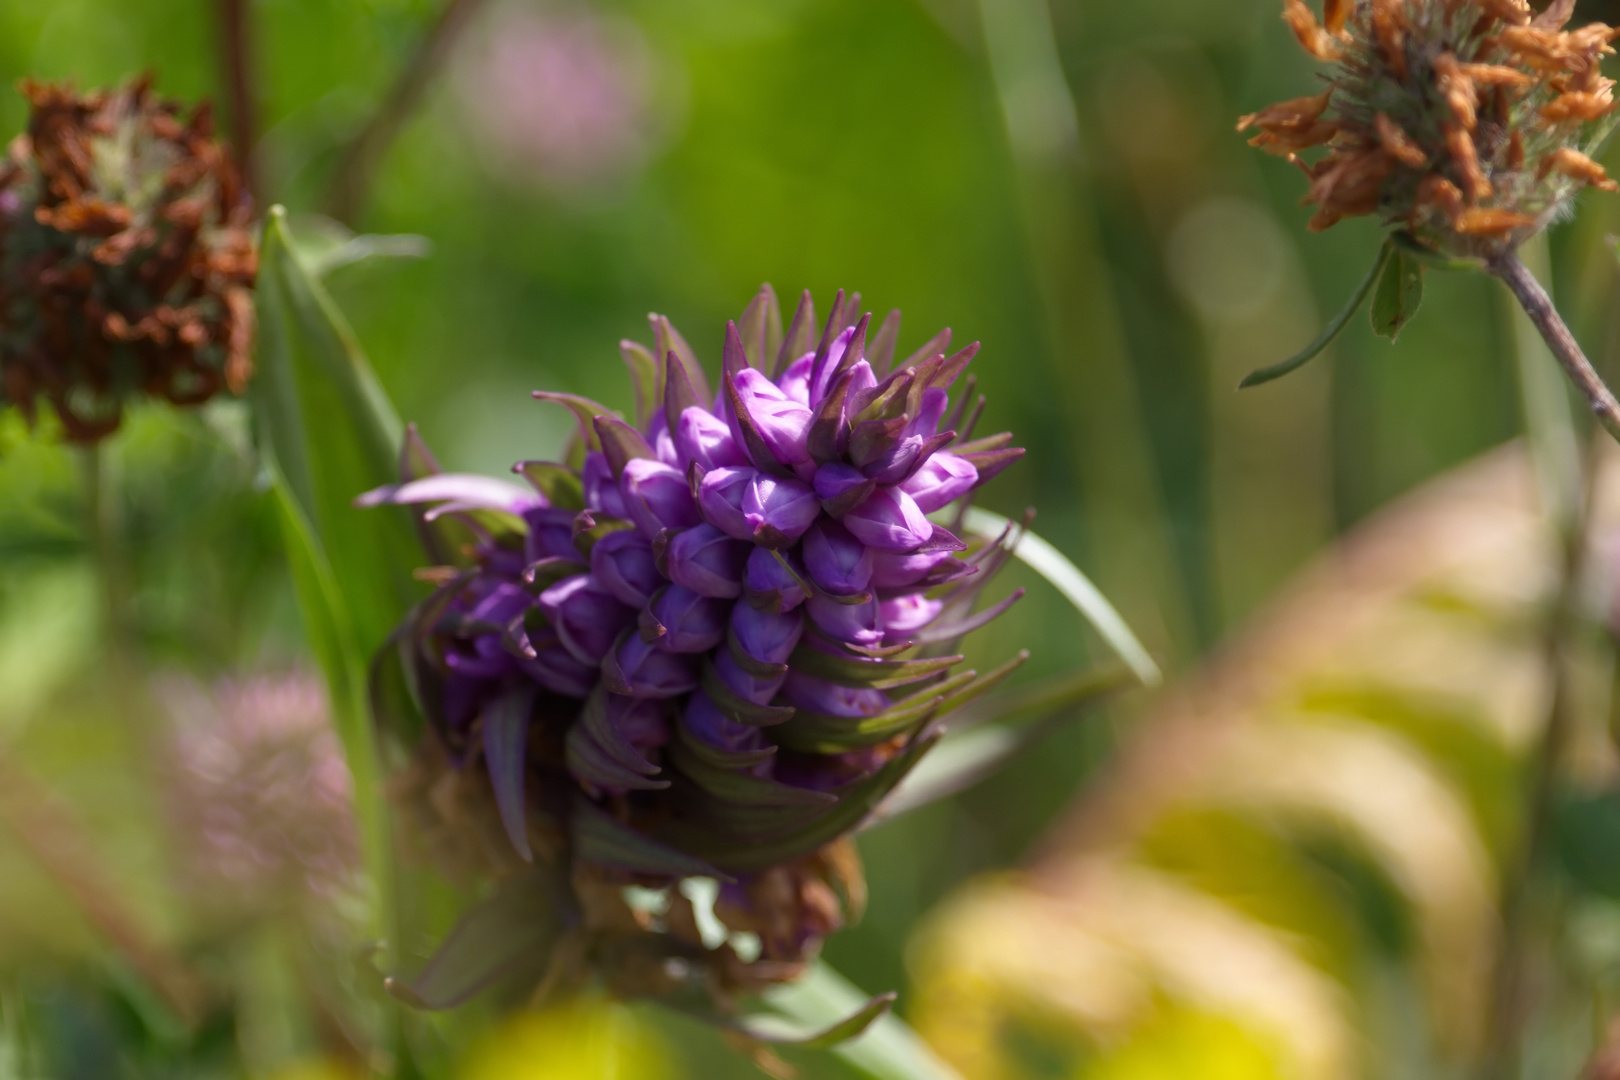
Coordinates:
x,y
561,97
259,795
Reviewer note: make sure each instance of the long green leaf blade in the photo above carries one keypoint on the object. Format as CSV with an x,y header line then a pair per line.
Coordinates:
x,y
1066,577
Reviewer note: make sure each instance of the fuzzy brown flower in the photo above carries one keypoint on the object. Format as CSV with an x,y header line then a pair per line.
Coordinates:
x,y
1468,123
126,258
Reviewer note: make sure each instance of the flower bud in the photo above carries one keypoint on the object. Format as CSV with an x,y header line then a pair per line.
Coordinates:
x,y
781,421
551,534
769,584
637,669
759,689
586,616
657,497
689,623
903,616
889,520
820,696
601,490
707,561
891,571
836,560
622,563
768,638
704,720
857,624
942,480
703,437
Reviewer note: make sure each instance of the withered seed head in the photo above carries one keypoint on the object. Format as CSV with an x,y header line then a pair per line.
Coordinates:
x,y
1470,123
126,258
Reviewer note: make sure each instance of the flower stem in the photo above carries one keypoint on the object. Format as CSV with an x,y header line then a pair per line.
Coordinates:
x,y
1539,307
102,525
236,55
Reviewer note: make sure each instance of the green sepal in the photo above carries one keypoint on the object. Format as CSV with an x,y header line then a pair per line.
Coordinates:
x,y
558,483
1332,330
606,841
881,353
1412,248
761,328
585,413
643,378
737,788
877,674
734,706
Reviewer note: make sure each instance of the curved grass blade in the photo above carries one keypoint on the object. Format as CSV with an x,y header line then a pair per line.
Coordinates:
x,y
1066,577
888,1049
785,1031
1332,330
506,738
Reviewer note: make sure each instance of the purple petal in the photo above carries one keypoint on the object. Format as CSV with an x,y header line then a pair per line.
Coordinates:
x,y
890,571
638,669
858,624
707,561
778,510
903,616
720,499
770,585
703,437
818,695
601,489
657,497
759,689
467,490
551,535
781,421
692,623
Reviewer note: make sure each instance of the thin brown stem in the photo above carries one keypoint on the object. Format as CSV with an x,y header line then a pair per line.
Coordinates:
x,y
352,178
1539,307
241,102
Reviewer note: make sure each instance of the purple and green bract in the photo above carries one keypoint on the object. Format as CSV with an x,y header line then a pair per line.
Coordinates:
x,y
714,640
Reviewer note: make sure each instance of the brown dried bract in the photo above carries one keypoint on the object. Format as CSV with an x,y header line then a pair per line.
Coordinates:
x,y
1577,166
1458,90
1578,106
127,260
1312,36
1482,221
1460,145
1398,143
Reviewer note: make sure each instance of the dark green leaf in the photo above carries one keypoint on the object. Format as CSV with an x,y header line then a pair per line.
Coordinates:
x,y
558,483
1408,245
736,786
889,1050
1329,332
783,1031
643,378
607,841
878,674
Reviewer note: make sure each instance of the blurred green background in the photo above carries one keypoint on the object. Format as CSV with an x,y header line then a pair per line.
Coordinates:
x,y
1057,180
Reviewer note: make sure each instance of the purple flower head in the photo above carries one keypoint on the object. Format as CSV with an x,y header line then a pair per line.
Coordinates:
x,y
722,675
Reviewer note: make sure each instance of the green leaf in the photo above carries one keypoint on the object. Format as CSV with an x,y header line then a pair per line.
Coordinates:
x,y
558,483
514,928
785,1031
878,674
607,841
887,1050
1329,332
1051,564
1400,293
327,425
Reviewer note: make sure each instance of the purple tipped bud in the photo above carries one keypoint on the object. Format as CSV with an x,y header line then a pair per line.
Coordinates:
x,y
622,563
818,695
638,669
504,603
858,624
601,490
720,499
704,720
821,378
781,421
904,616
771,586
703,437
768,638
657,497
842,487
691,623
891,571
707,561
778,510
890,521
551,535
941,481
836,560
759,689
586,616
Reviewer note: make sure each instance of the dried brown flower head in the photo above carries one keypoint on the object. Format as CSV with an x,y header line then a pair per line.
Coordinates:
x,y
1468,123
126,258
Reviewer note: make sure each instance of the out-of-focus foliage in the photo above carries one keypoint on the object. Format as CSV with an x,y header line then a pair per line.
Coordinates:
x,y
1307,837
